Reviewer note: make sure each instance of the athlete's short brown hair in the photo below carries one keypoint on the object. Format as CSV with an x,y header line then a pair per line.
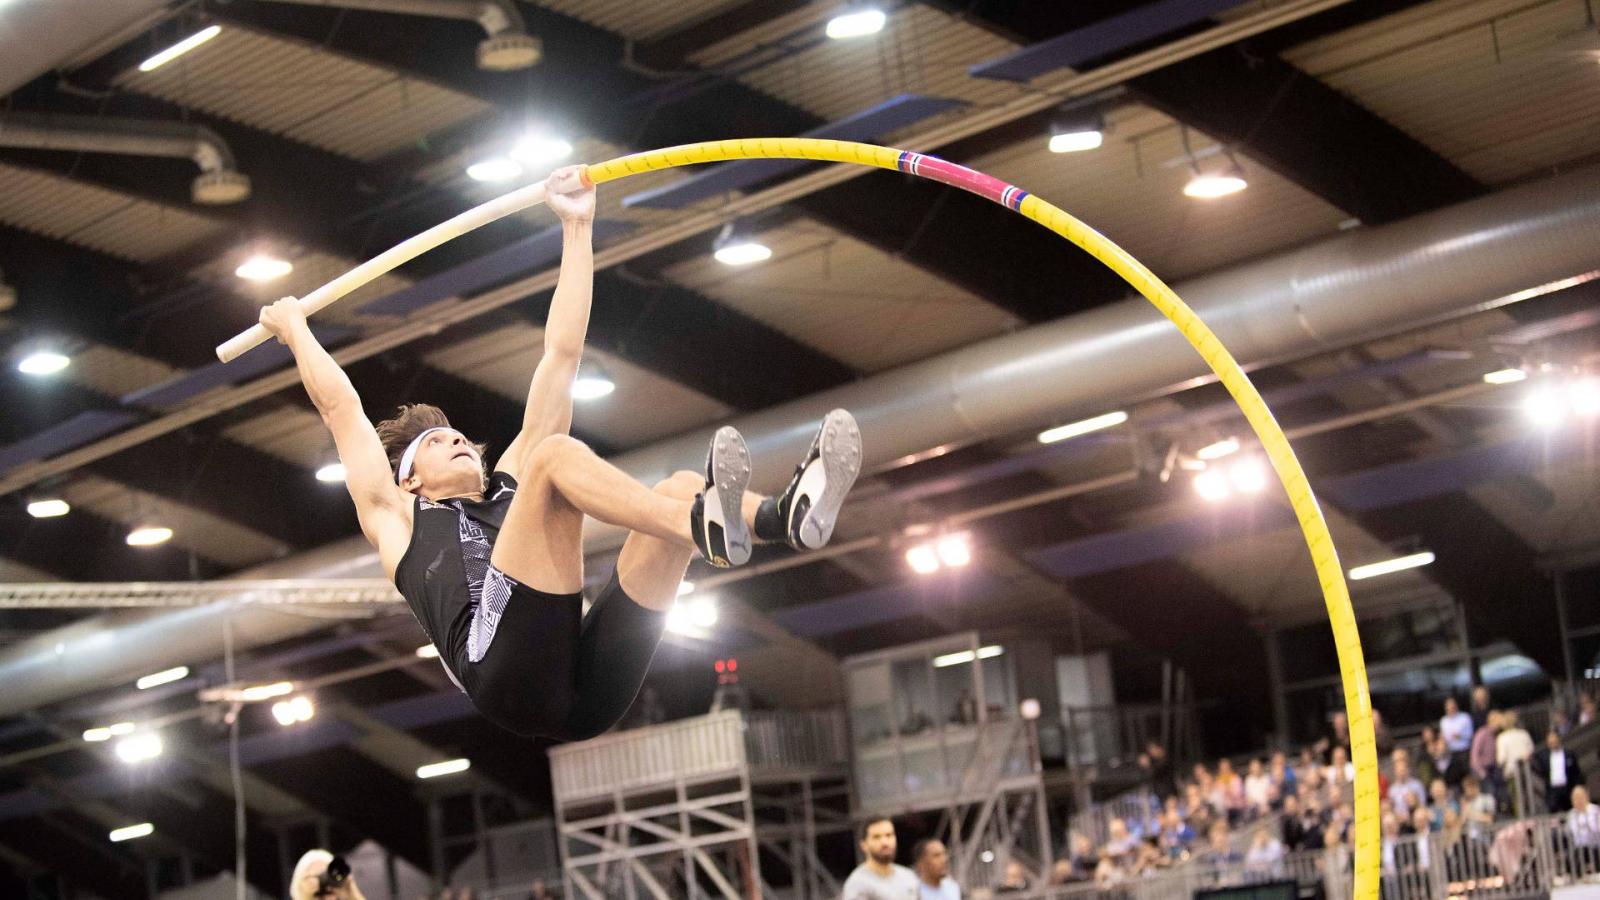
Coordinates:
x,y
409,421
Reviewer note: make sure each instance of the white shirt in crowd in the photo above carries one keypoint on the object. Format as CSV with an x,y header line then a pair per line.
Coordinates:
x,y
1258,791
865,884
1457,732
947,890
1514,745
1558,768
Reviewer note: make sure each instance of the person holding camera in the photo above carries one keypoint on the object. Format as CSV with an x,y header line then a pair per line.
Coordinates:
x,y
321,874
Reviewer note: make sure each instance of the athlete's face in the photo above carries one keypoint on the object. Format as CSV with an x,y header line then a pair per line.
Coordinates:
x,y
446,465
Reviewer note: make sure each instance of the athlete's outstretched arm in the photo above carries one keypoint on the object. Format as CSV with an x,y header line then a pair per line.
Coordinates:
x,y
549,409
379,501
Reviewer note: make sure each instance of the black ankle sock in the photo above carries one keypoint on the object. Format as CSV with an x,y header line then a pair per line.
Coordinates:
x,y
769,522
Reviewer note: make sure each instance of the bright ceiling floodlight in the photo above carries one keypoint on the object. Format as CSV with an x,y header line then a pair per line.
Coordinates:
x,y
1224,447
1248,475
262,267
139,748
685,588
165,676
297,709
1398,564
537,151
332,473
130,832
48,507
692,617
1545,407
258,692
43,362
856,21
1584,396
1506,376
509,51
427,651
180,48
1213,485
1075,141
734,249
592,383
1074,429
448,767
702,614
954,550
149,535
494,169
1214,185
923,559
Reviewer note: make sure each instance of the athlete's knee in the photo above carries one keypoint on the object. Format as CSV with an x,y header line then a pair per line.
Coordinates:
x,y
549,452
681,484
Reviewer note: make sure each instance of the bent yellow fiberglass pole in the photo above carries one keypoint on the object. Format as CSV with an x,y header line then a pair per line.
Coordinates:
x,y
1314,527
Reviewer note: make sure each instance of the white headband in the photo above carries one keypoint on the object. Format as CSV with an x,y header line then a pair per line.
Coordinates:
x,y
410,456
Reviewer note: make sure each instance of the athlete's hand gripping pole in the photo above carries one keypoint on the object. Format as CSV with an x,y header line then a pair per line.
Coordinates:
x,y
401,253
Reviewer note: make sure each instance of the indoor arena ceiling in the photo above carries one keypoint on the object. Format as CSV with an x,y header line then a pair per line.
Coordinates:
x,y
356,129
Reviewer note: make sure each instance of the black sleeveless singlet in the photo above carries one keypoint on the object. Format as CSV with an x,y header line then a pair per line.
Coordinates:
x,y
433,574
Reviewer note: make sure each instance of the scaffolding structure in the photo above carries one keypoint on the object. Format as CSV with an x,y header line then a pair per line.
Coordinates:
x,y
689,808
140,594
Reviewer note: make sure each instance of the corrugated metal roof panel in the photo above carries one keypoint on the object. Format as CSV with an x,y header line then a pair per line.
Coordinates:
x,y
312,270
209,536
1570,525
921,50
644,406
639,21
1131,190
846,298
1505,89
291,433
95,217
306,93
113,372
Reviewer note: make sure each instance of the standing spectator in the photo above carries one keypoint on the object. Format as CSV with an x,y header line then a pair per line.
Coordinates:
x,y
1382,740
1158,769
1480,706
1513,749
1482,757
1586,710
1293,832
1559,771
1456,727
540,891
1405,791
1338,735
879,877
1230,788
933,871
1258,790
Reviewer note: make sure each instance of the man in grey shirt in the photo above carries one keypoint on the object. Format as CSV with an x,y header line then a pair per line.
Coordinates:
x,y
879,878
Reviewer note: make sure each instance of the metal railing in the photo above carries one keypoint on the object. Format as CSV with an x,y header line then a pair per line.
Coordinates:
x,y
1515,859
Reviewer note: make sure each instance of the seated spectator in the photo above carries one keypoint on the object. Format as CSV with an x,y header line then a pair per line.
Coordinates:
x,y
1477,808
1121,844
1083,859
1198,808
1062,873
1340,770
1583,827
1304,766
1285,780
1218,850
1292,832
1175,836
1381,738
1422,821
1405,791
1390,848
1265,856
1587,710
1015,881
1338,736
1158,769
1258,790
1441,803
1559,771
1228,791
